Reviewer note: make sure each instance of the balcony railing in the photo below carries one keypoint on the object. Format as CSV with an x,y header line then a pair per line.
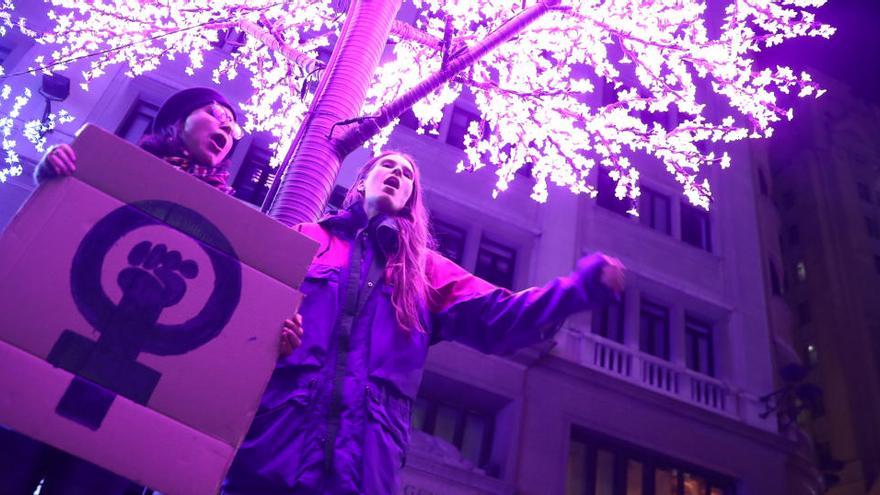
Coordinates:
x,y
647,371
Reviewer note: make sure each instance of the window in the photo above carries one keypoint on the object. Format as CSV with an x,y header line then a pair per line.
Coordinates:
x,y
606,197
458,126
609,94
801,271
470,429
409,119
604,472
598,465
695,227
337,198
654,210
5,51
794,235
788,199
864,192
805,315
651,118
812,355
228,40
608,321
495,263
137,121
324,53
762,182
526,170
654,330
450,240
635,476
254,178
699,352
871,225
775,286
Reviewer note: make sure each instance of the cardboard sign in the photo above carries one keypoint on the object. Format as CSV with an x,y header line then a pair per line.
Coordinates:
x,y
140,316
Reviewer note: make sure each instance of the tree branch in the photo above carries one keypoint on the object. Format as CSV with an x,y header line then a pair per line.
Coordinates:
x,y
293,55
366,129
407,32
491,86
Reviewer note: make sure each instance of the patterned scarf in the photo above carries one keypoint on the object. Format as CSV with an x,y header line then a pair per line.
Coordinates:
x,y
215,176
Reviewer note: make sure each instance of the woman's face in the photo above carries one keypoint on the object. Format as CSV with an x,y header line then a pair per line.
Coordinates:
x,y
208,133
388,185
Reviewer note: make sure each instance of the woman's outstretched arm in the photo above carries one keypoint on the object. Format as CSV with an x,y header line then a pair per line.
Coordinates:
x,y
495,320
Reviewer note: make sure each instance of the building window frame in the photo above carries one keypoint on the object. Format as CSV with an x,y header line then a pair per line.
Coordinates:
x,y
762,182
606,197
655,210
140,115
456,132
805,313
608,321
5,54
654,329
872,227
409,120
451,239
794,235
696,227
699,345
593,446
426,411
863,191
255,176
490,255
775,282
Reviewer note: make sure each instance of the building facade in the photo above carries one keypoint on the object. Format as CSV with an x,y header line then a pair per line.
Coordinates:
x,y
827,188
658,394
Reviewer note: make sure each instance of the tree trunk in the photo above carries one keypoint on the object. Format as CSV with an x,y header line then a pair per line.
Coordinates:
x,y
306,186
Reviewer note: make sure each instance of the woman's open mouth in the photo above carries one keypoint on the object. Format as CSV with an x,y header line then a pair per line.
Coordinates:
x,y
392,182
219,140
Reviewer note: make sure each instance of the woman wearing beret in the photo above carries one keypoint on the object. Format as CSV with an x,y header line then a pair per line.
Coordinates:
x,y
195,131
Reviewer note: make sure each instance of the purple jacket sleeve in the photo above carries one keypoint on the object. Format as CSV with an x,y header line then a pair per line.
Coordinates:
x,y
495,320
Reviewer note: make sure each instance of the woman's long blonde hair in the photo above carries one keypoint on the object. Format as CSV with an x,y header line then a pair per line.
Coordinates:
x,y
405,270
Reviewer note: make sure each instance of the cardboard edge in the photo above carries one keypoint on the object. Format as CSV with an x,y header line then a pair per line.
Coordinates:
x,y
125,179
162,439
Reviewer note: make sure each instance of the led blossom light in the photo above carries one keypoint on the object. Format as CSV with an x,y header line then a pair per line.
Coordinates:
x,y
34,131
610,83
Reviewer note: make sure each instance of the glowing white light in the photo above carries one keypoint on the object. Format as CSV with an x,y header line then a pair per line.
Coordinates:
x,y
596,82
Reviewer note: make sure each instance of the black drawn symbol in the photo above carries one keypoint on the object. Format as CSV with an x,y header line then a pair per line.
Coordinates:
x,y
155,279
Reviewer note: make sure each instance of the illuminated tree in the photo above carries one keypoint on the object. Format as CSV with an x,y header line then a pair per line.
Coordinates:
x,y
679,81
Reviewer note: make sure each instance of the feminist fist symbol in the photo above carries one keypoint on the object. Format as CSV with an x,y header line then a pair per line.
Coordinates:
x,y
153,281
158,283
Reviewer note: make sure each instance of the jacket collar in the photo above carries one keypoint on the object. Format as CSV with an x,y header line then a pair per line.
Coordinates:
x,y
350,221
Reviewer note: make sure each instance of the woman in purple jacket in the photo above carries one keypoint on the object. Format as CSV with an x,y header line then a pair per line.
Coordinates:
x,y
335,416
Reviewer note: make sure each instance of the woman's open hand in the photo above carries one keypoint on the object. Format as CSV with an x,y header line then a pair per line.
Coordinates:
x,y
613,274
291,335
59,161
